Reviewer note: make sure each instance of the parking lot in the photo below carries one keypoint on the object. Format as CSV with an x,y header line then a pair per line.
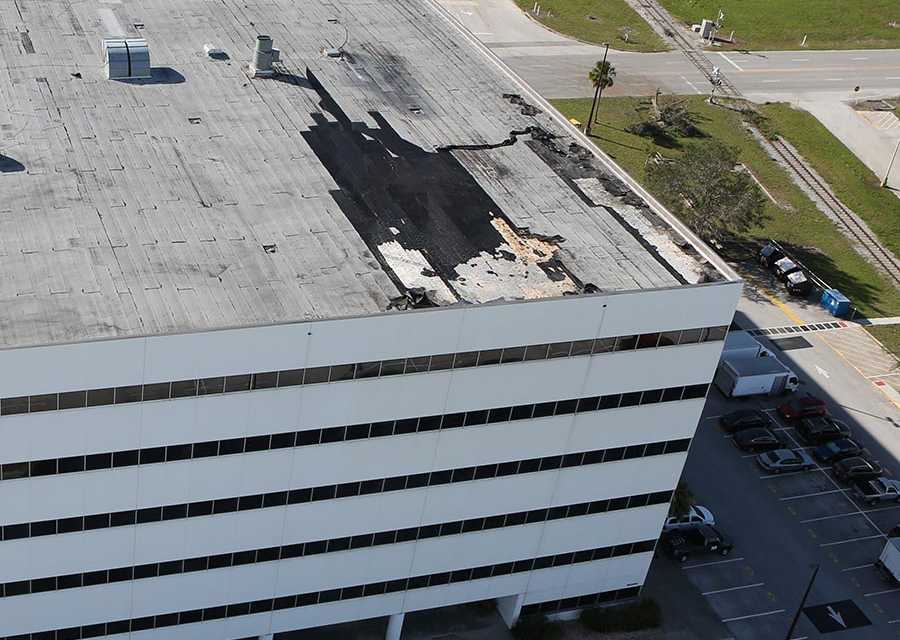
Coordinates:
x,y
782,525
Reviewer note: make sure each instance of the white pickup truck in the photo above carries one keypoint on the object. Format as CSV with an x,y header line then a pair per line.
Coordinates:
x,y
878,490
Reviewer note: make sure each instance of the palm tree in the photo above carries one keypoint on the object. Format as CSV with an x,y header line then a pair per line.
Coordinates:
x,y
601,76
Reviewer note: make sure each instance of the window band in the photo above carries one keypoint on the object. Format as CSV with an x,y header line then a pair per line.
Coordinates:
x,y
353,371
310,437
341,593
317,547
336,491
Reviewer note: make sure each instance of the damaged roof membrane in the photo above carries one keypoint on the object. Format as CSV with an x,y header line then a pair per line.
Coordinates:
x,y
413,170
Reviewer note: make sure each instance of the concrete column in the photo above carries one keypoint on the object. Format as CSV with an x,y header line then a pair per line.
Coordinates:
x,y
510,607
395,626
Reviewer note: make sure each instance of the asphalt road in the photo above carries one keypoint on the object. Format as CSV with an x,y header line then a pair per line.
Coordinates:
x,y
557,67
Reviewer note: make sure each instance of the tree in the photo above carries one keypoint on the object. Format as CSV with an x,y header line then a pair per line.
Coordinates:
x,y
704,188
682,500
602,75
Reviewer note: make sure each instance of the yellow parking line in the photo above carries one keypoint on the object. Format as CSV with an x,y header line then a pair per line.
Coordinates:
x,y
786,310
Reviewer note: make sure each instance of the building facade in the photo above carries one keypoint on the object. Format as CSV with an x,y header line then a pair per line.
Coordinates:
x,y
373,332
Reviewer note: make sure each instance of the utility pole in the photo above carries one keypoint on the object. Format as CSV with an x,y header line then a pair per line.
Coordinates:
x,y
802,602
887,173
598,90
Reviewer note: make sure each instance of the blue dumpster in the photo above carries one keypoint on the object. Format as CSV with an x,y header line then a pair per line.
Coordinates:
x,y
836,302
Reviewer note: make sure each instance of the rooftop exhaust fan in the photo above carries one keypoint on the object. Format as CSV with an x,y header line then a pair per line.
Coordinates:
x,y
126,58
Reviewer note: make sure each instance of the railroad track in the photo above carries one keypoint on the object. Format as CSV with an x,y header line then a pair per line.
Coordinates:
x,y
688,48
868,245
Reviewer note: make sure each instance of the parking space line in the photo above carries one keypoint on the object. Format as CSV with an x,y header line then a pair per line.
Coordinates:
x,y
837,515
859,566
710,564
880,593
754,615
746,586
837,486
893,621
831,544
811,495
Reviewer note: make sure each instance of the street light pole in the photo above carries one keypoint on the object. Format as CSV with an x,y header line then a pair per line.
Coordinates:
x,y
603,77
890,165
802,602
598,90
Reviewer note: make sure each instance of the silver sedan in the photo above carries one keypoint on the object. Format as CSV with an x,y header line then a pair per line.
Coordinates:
x,y
784,460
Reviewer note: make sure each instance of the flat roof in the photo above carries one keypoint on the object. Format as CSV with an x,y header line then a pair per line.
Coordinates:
x,y
413,170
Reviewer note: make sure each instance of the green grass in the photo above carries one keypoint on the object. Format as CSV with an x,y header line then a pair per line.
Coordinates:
x,y
597,21
796,222
781,24
851,180
888,335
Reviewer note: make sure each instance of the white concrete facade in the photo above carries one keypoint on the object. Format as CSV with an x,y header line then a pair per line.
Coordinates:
x,y
118,428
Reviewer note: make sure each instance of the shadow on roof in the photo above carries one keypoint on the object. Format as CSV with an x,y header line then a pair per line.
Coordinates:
x,y
10,165
159,75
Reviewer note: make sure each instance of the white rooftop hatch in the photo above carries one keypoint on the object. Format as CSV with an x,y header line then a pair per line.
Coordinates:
x,y
126,58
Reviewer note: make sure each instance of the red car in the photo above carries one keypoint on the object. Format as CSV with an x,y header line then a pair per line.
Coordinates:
x,y
805,407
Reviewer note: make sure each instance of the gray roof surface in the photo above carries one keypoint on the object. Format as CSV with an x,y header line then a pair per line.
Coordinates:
x,y
399,175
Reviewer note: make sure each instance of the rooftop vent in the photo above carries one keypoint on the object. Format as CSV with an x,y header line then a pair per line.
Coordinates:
x,y
263,57
126,58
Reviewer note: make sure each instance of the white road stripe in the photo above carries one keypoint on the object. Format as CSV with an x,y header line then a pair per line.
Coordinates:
x,y
754,615
860,539
859,58
730,61
838,515
710,564
859,566
811,495
746,586
879,593
769,81
799,59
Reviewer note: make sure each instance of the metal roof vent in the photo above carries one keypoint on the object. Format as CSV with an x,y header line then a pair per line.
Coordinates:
x,y
263,57
126,58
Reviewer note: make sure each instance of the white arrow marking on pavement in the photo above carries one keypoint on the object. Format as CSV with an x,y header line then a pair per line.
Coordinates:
x,y
834,615
822,371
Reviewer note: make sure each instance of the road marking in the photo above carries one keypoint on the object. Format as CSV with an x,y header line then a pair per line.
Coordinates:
x,y
786,310
859,566
811,495
712,417
769,81
692,86
893,78
754,615
822,372
730,61
746,586
860,539
839,515
799,59
836,616
711,564
834,79
859,58
880,593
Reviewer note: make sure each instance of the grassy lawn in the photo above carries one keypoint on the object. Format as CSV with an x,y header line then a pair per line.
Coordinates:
x,y
888,335
852,181
796,222
597,21
781,24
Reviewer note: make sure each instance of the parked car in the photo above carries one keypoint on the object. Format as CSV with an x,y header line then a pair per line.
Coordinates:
x,y
757,440
682,543
769,255
877,490
744,419
783,460
857,468
785,267
798,284
803,407
822,429
835,450
696,516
